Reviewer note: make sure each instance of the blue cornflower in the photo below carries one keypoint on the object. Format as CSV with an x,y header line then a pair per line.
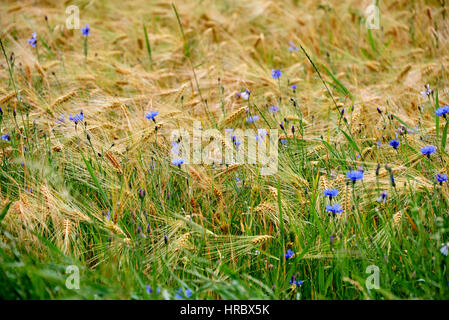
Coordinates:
x,y
394,143
282,126
187,293
283,142
355,175
292,47
427,92
428,150
330,193
383,196
61,119
444,249
178,162
336,208
149,290
77,117
441,111
237,143
245,94
252,119
295,282
294,87
441,178
290,253
33,40
175,150
85,31
6,137
273,109
151,115
276,73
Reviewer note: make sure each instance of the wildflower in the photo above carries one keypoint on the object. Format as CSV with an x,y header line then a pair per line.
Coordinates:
x,y
262,133
336,208
282,126
151,115
295,282
33,40
383,196
175,150
165,239
142,193
427,92
293,86
283,142
77,117
290,253
187,293
245,94
394,143
330,193
273,109
149,290
441,178
355,175
6,137
252,119
442,111
293,129
85,31
178,162
276,73
444,249
237,143
428,150
61,119
331,239
292,47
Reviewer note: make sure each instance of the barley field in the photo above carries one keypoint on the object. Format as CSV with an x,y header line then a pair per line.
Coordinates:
x,y
99,199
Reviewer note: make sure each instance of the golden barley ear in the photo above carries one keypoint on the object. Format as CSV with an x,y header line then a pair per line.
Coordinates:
x,y
5,99
64,99
347,201
233,116
115,163
260,239
323,183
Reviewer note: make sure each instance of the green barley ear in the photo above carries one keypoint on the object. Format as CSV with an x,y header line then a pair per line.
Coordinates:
x,y
147,42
